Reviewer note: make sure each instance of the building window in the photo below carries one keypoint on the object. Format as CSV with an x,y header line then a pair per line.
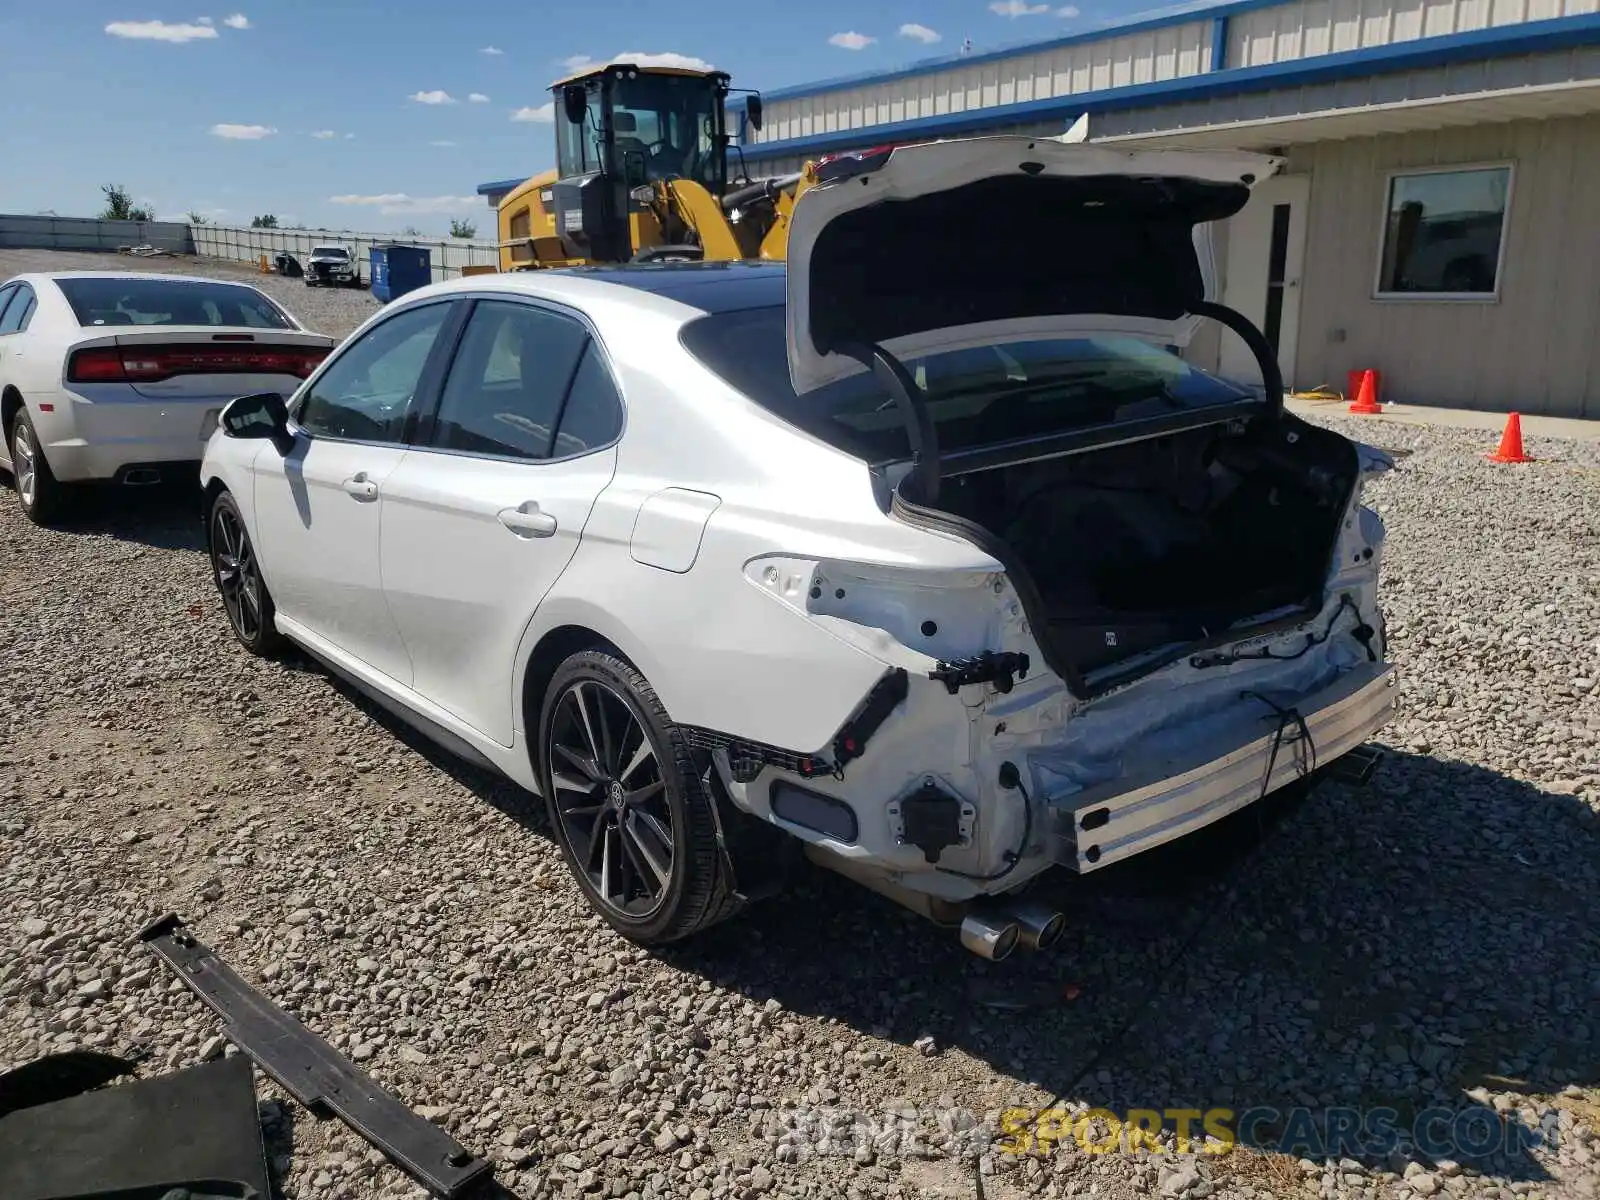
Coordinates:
x,y
1444,233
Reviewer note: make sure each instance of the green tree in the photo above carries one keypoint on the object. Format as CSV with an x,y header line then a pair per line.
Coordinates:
x,y
411,231
197,218
266,222
462,228
120,205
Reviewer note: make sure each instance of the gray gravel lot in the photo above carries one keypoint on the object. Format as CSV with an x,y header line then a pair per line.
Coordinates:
x,y
1426,944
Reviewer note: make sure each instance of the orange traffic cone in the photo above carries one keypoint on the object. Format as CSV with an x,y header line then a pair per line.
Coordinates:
x,y
1510,450
1367,398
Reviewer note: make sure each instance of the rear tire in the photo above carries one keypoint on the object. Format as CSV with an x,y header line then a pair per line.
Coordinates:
x,y
237,574
44,498
625,802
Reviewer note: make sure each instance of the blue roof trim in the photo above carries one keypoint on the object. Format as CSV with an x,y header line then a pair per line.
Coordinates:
x,y
1161,18
1529,37
504,185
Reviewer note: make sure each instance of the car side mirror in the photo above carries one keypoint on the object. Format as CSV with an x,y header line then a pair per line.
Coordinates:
x,y
752,111
262,415
575,100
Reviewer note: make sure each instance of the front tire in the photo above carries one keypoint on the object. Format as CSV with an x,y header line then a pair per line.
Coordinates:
x,y
237,574
43,497
635,826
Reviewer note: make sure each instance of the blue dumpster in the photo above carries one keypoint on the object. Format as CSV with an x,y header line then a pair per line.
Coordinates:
x,y
398,269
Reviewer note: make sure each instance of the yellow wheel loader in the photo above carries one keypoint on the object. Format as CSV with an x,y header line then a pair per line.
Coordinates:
x,y
642,176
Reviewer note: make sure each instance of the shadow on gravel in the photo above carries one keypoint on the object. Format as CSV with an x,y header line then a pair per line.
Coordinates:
x,y
277,1130
1368,955
161,516
1381,952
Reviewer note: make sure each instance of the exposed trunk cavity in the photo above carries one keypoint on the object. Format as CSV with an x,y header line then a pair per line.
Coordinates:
x,y
1163,544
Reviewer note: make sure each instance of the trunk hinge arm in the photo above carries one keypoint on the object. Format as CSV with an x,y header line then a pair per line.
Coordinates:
x,y
911,401
1266,358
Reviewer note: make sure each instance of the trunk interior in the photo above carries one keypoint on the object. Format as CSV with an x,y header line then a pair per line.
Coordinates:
x,y
1172,539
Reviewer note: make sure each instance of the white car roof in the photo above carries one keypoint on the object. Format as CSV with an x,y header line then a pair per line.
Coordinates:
x,y
680,290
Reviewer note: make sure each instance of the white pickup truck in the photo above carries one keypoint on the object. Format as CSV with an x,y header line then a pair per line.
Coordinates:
x,y
332,265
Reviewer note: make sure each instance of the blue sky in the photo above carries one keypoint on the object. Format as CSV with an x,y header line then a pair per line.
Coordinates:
x,y
397,108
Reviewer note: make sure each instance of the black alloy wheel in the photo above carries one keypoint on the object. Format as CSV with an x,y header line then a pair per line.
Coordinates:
x,y
238,577
626,806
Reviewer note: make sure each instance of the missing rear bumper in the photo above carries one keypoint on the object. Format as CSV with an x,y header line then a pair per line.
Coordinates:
x,y
1166,799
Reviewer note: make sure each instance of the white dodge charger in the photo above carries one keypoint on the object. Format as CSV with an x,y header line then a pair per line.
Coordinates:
x,y
118,376
945,569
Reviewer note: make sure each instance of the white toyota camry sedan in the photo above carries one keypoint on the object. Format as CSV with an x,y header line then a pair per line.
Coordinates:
x,y
118,376
945,570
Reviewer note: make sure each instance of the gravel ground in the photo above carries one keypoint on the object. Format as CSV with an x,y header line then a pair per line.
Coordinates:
x,y
1424,943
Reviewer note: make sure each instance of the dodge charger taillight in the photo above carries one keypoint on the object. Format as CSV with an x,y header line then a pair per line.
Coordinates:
x,y
147,364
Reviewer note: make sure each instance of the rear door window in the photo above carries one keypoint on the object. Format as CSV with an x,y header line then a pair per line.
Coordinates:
x,y
21,311
511,373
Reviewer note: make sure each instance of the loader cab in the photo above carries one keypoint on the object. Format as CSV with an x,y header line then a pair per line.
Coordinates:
x,y
622,131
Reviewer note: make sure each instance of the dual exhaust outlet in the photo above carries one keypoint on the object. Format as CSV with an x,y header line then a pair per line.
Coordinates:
x,y
994,932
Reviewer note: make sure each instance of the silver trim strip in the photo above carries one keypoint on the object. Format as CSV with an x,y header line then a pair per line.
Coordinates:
x,y
1170,799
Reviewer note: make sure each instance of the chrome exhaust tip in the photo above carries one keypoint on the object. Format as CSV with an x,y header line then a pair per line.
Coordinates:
x,y
141,477
988,936
1038,925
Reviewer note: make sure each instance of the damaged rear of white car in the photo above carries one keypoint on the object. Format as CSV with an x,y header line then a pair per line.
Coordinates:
x,y
1170,609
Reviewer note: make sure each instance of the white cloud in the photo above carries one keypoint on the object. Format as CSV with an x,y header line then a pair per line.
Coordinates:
x,y
323,135
493,50
478,98
545,112
920,33
392,203
438,96
237,21
577,62
243,133
160,31
1068,12
349,137
441,143
204,21
1017,8
851,40
684,62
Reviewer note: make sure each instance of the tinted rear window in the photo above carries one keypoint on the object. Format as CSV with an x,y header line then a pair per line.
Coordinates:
x,y
976,397
120,301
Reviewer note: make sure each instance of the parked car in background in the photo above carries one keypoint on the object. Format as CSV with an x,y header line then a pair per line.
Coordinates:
x,y
947,570
118,376
332,265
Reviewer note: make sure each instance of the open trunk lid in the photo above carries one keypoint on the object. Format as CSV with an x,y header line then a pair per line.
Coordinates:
x,y
943,246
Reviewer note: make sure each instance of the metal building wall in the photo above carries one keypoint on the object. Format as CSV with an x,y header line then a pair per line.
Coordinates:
x,y
1307,28
1143,56
1534,348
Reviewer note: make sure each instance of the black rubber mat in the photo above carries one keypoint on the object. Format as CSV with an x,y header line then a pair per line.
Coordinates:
x,y
196,1129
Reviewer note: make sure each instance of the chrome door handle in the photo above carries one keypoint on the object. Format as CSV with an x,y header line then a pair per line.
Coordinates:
x,y
527,521
362,488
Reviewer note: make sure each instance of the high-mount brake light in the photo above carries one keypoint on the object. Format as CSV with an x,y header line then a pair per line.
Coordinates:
x,y
148,364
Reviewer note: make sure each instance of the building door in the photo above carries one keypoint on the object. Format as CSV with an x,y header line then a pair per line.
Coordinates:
x,y
1265,256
